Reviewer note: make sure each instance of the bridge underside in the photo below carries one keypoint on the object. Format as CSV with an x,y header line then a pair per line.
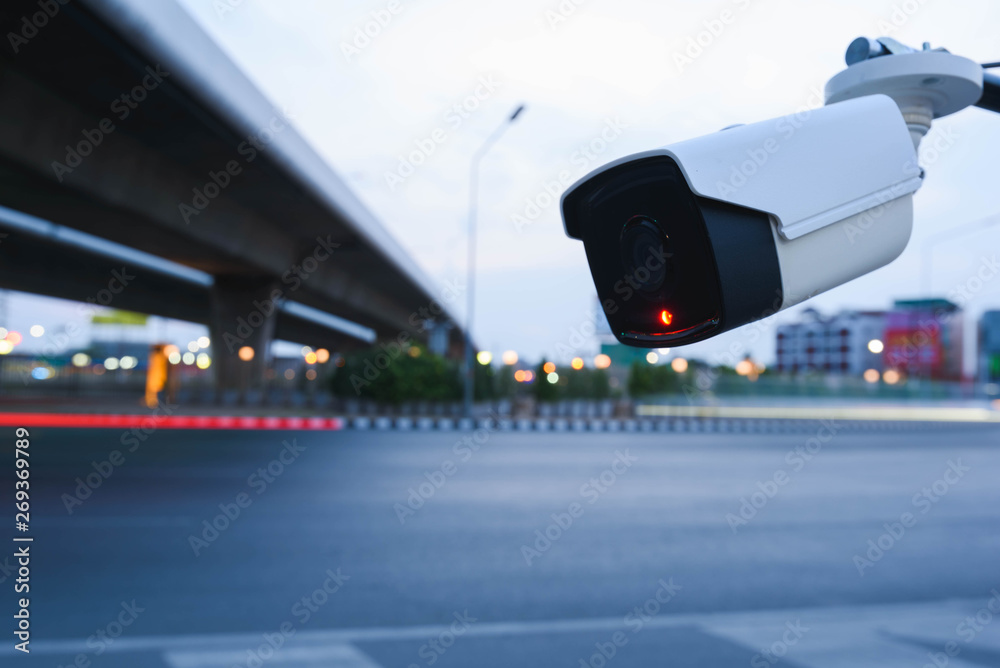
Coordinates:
x,y
230,191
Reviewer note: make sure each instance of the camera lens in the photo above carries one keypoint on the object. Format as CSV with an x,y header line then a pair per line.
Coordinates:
x,y
646,253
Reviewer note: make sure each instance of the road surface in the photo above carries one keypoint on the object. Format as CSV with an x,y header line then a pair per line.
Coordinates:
x,y
205,549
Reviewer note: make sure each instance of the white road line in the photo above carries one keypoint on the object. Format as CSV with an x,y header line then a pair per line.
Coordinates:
x,y
327,656
898,616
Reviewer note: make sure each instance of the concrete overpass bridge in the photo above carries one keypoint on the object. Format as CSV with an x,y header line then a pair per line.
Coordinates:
x,y
125,122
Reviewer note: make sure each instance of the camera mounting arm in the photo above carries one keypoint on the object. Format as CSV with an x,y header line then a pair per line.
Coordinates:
x,y
925,84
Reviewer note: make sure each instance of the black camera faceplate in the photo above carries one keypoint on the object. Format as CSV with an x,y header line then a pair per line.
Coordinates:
x,y
684,309
723,267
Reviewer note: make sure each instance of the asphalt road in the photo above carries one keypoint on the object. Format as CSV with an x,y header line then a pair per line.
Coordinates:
x,y
398,549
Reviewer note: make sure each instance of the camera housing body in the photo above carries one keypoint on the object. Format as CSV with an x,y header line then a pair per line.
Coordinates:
x,y
697,238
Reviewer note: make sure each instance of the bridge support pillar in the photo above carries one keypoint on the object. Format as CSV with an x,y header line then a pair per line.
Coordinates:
x,y
244,312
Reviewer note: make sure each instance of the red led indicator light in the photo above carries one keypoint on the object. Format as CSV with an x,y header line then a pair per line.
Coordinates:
x,y
666,317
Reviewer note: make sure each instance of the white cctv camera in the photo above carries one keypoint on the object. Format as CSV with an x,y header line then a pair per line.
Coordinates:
x,y
691,240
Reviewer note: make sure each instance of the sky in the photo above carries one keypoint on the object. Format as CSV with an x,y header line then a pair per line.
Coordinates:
x,y
438,76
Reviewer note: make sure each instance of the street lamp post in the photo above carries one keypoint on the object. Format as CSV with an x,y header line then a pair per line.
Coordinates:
x,y
470,285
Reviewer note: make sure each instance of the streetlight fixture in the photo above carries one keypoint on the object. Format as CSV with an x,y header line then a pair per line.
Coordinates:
x,y
477,159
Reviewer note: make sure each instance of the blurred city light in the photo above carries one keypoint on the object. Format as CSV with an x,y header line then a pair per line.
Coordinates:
x,y
529,376
170,350
552,377
289,374
875,346
602,361
3,332
42,372
5,347
549,367
111,363
891,376
14,338
193,346
311,374
204,342
519,375
203,361
36,331
188,358
245,353
128,362
652,357
310,357
679,364
484,357
510,357
744,367
872,375
322,355
81,359
174,357
306,350
577,363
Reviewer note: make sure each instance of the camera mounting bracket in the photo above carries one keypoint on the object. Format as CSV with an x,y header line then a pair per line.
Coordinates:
x,y
925,84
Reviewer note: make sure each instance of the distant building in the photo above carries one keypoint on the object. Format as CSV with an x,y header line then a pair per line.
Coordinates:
x,y
923,339
989,348
834,345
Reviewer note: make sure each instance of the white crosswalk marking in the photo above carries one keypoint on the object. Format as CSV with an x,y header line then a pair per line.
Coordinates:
x,y
910,635
873,636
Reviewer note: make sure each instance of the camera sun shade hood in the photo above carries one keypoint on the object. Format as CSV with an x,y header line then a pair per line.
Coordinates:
x,y
808,170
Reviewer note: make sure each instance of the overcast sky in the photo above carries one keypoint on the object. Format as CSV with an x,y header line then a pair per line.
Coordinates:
x,y
362,105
